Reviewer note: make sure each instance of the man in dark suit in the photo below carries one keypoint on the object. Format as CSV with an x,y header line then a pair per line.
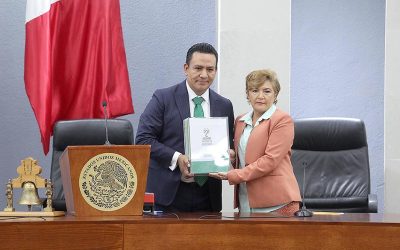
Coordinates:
x,y
161,126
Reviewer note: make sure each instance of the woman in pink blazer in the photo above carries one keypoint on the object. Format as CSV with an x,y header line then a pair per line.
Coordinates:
x,y
263,174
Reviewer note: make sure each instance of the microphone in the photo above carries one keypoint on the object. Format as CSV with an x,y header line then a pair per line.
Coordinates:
x,y
105,121
303,211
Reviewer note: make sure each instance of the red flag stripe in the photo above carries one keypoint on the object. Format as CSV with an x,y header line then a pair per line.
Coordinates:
x,y
75,59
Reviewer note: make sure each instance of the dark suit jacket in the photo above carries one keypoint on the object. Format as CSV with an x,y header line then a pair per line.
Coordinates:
x,y
161,126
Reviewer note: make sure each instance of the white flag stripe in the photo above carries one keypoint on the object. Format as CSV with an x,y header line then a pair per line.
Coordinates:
x,y
35,8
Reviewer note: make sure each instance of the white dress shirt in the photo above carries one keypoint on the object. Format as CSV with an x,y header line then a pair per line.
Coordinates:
x,y
206,109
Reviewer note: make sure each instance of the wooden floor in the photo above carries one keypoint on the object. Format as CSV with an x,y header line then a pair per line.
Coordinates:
x,y
201,231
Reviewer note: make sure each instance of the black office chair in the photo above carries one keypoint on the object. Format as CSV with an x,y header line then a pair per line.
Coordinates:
x,y
335,154
83,132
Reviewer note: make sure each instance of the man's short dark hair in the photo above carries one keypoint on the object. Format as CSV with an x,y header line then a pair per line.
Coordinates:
x,y
201,48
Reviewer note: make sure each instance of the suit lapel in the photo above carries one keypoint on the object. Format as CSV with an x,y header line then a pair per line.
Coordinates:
x,y
214,107
182,100
238,133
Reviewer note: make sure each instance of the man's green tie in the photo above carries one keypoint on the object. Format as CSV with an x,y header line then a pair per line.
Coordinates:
x,y
198,112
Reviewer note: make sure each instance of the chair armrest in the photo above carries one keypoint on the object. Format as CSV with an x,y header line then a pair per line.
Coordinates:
x,y
372,203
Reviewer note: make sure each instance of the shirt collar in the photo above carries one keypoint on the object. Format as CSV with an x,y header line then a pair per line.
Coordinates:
x,y
205,95
247,118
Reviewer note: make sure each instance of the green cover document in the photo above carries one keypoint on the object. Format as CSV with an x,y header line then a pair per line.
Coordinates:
x,y
207,144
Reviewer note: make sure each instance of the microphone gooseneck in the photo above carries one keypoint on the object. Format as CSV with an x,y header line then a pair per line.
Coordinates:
x,y
303,211
105,120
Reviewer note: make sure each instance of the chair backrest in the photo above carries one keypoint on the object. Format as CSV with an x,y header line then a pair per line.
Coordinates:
x,y
335,154
84,132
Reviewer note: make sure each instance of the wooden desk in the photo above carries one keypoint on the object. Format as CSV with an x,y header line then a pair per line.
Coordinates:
x,y
355,231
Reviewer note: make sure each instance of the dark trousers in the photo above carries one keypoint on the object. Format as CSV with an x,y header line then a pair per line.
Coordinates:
x,y
190,197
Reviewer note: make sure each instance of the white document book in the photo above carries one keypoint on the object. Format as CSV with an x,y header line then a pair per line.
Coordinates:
x,y
207,144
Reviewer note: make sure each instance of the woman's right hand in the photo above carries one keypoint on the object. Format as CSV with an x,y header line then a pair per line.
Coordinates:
x,y
220,175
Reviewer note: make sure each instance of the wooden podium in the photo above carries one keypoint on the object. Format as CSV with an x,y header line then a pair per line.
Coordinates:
x,y
106,172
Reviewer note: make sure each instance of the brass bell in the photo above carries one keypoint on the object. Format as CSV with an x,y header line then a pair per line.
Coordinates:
x,y
29,195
